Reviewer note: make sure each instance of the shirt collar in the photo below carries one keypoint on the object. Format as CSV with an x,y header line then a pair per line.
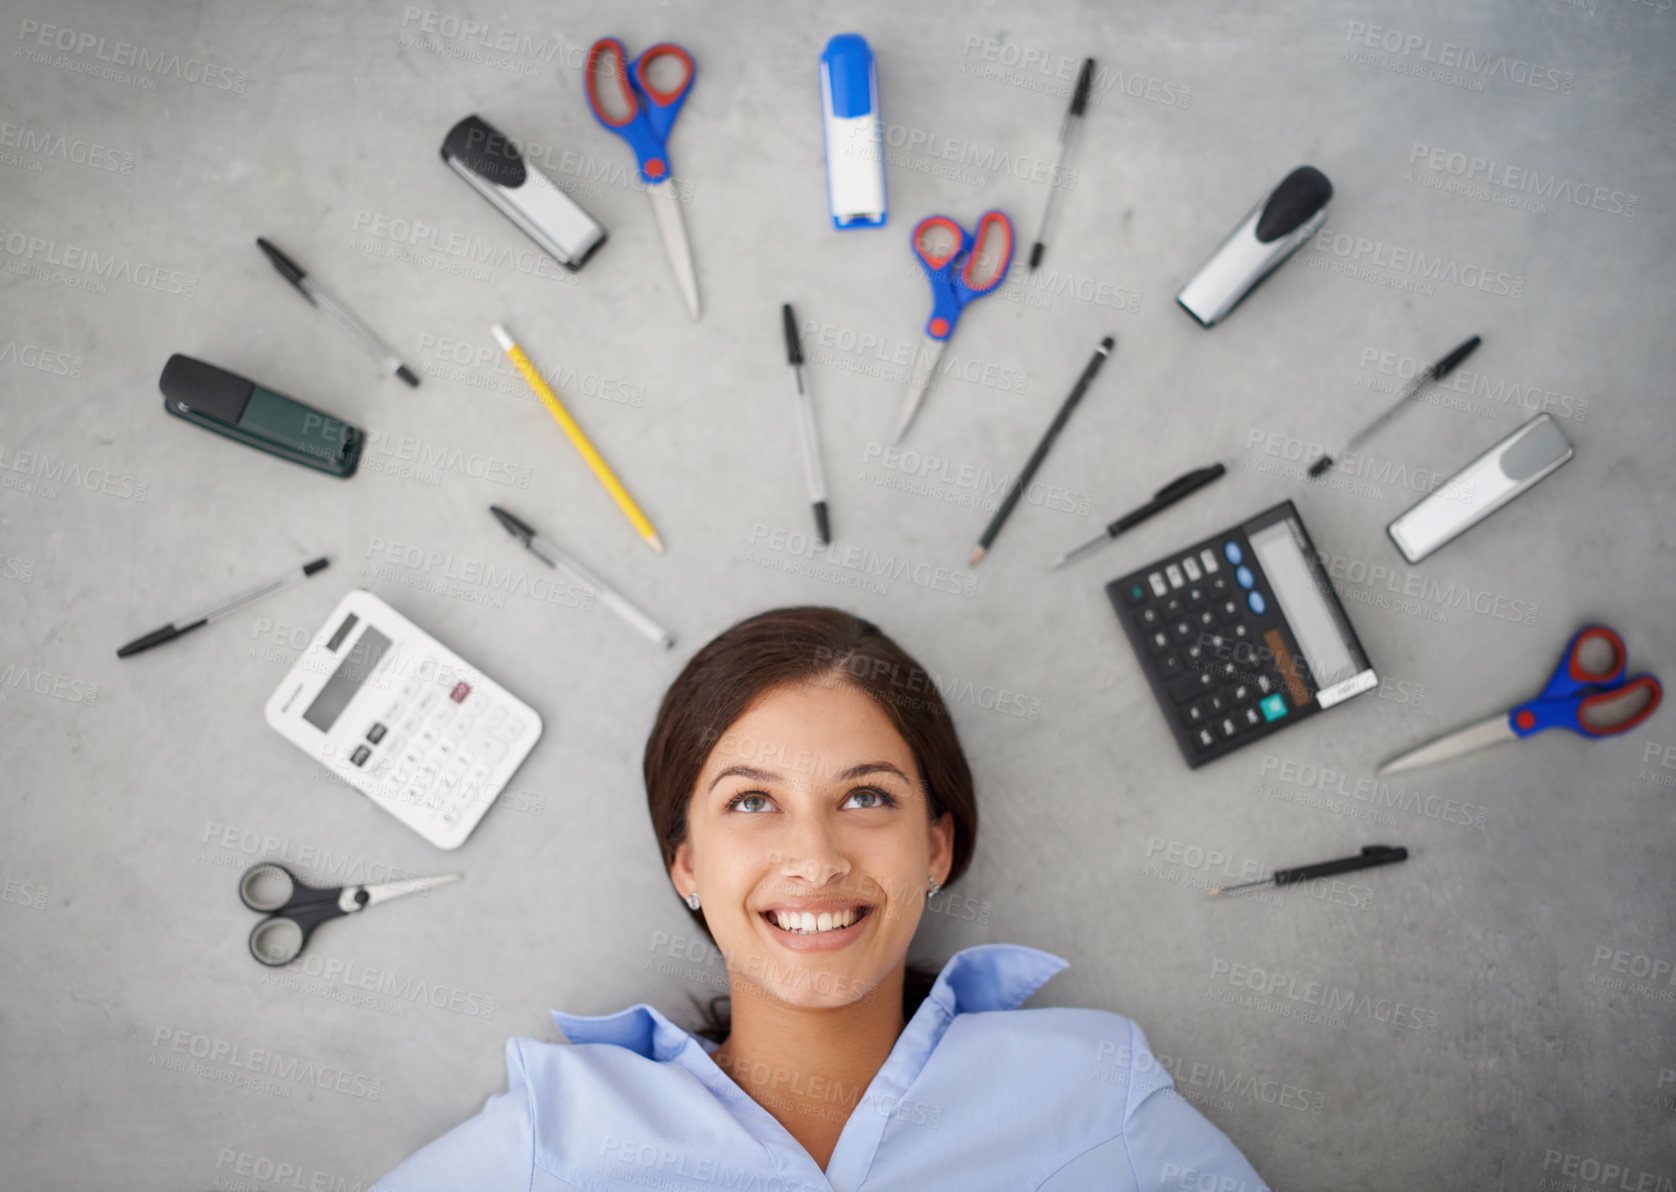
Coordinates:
x,y
977,979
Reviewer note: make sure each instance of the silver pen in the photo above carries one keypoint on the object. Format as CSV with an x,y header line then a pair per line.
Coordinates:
x,y
1062,160
806,424
549,553
186,624
293,273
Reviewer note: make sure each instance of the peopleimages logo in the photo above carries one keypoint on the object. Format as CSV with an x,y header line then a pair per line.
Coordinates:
x,y
159,63
1474,169
1454,56
1414,262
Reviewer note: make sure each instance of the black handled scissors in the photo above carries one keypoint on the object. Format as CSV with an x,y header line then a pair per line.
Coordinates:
x,y
294,909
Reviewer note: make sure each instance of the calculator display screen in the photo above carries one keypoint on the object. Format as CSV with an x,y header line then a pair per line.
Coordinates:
x,y
334,697
1292,581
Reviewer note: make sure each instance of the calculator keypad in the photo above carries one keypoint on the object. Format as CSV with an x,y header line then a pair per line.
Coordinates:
x,y
441,754
1202,618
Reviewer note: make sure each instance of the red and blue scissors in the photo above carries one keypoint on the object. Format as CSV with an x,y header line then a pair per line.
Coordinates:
x,y
1586,694
961,267
626,100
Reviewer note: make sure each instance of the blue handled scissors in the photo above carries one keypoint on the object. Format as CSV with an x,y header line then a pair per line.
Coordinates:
x,y
956,279
626,101
1587,694
294,910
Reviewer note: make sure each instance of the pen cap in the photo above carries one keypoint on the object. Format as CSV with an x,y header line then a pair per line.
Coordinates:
x,y
1275,229
855,161
492,165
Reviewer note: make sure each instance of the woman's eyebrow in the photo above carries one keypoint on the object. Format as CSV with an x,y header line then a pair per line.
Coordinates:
x,y
757,774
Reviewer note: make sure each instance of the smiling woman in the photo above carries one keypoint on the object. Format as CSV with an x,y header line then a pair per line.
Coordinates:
x,y
808,791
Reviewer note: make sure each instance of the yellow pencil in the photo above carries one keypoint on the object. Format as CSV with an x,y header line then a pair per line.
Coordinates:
x,y
577,438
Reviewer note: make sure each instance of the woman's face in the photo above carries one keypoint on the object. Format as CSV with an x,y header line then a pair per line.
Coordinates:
x,y
810,814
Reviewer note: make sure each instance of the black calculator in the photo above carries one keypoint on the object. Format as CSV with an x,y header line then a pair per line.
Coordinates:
x,y
1241,635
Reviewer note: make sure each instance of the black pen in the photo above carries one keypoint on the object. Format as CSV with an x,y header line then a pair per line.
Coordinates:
x,y
1062,159
1023,478
293,273
806,424
1175,490
1371,855
174,629
1435,373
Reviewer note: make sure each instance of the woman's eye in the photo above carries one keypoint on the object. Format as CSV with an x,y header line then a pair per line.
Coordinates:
x,y
737,803
874,797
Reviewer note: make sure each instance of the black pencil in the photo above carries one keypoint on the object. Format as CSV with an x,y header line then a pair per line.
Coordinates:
x,y
1036,456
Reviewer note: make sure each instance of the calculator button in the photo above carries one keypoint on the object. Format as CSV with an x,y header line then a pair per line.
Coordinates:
x,y
1232,552
1216,704
1208,558
459,728
1205,738
1174,574
1190,687
1195,594
360,756
511,730
1219,585
427,701
1159,587
1194,651
491,751
445,750
426,739
1135,593
494,716
1239,693
1190,568
1257,603
1274,706
1149,616
1240,630
1264,684
375,734
1182,630
1252,717
1195,713
410,723
1247,580
1173,606
1160,640
1207,618
1230,608
1228,728
461,690
409,689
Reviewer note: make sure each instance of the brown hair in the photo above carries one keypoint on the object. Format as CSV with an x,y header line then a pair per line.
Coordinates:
x,y
802,645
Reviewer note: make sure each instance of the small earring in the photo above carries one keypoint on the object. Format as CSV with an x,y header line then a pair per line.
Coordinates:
x,y
935,886
692,900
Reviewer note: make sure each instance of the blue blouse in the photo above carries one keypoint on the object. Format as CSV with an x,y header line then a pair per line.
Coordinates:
x,y
976,1094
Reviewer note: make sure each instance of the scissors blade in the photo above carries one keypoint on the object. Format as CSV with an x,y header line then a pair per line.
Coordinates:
x,y
667,207
1477,736
921,386
385,891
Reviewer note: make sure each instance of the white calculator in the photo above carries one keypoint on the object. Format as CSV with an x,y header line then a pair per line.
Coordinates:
x,y
404,719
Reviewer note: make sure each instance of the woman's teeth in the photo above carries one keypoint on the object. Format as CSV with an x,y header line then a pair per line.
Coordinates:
x,y
808,923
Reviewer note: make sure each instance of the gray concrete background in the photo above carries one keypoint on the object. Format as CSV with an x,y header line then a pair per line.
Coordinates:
x,y
1530,938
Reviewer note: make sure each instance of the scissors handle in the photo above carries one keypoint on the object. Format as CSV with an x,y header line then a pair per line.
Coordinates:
x,y
1578,671
624,99
1594,712
980,271
976,277
294,910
